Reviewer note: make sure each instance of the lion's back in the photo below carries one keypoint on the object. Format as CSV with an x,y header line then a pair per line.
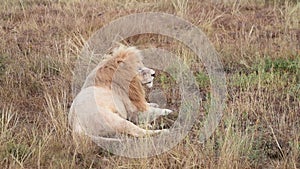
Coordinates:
x,y
92,108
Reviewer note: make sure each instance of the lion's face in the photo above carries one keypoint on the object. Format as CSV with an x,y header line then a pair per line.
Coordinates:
x,y
147,76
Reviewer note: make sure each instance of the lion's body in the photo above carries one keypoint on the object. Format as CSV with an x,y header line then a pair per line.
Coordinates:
x,y
100,112
112,95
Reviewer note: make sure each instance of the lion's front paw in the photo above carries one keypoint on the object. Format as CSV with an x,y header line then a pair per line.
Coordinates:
x,y
162,131
153,105
154,132
166,111
165,131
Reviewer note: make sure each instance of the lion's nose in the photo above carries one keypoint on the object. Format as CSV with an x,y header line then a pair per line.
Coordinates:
x,y
153,73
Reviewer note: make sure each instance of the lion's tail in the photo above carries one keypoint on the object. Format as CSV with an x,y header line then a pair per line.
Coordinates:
x,y
110,144
103,140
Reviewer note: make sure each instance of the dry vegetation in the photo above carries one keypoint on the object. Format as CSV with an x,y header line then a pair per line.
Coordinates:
x,y
259,45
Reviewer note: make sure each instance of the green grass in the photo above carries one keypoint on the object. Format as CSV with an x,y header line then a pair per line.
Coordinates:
x,y
203,80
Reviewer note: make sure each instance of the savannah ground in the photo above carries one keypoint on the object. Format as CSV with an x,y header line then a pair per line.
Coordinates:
x,y
259,47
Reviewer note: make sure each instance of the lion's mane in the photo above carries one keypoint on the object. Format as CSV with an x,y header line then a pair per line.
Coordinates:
x,y
117,72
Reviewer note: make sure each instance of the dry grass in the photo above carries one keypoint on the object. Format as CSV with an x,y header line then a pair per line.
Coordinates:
x,y
259,46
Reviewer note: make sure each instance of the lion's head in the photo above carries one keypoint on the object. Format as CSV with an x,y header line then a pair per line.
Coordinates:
x,y
123,69
147,76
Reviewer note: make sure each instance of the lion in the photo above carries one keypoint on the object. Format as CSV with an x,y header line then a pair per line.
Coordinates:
x,y
112,99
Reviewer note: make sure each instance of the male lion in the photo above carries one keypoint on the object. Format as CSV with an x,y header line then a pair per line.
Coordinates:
x,y
112,99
